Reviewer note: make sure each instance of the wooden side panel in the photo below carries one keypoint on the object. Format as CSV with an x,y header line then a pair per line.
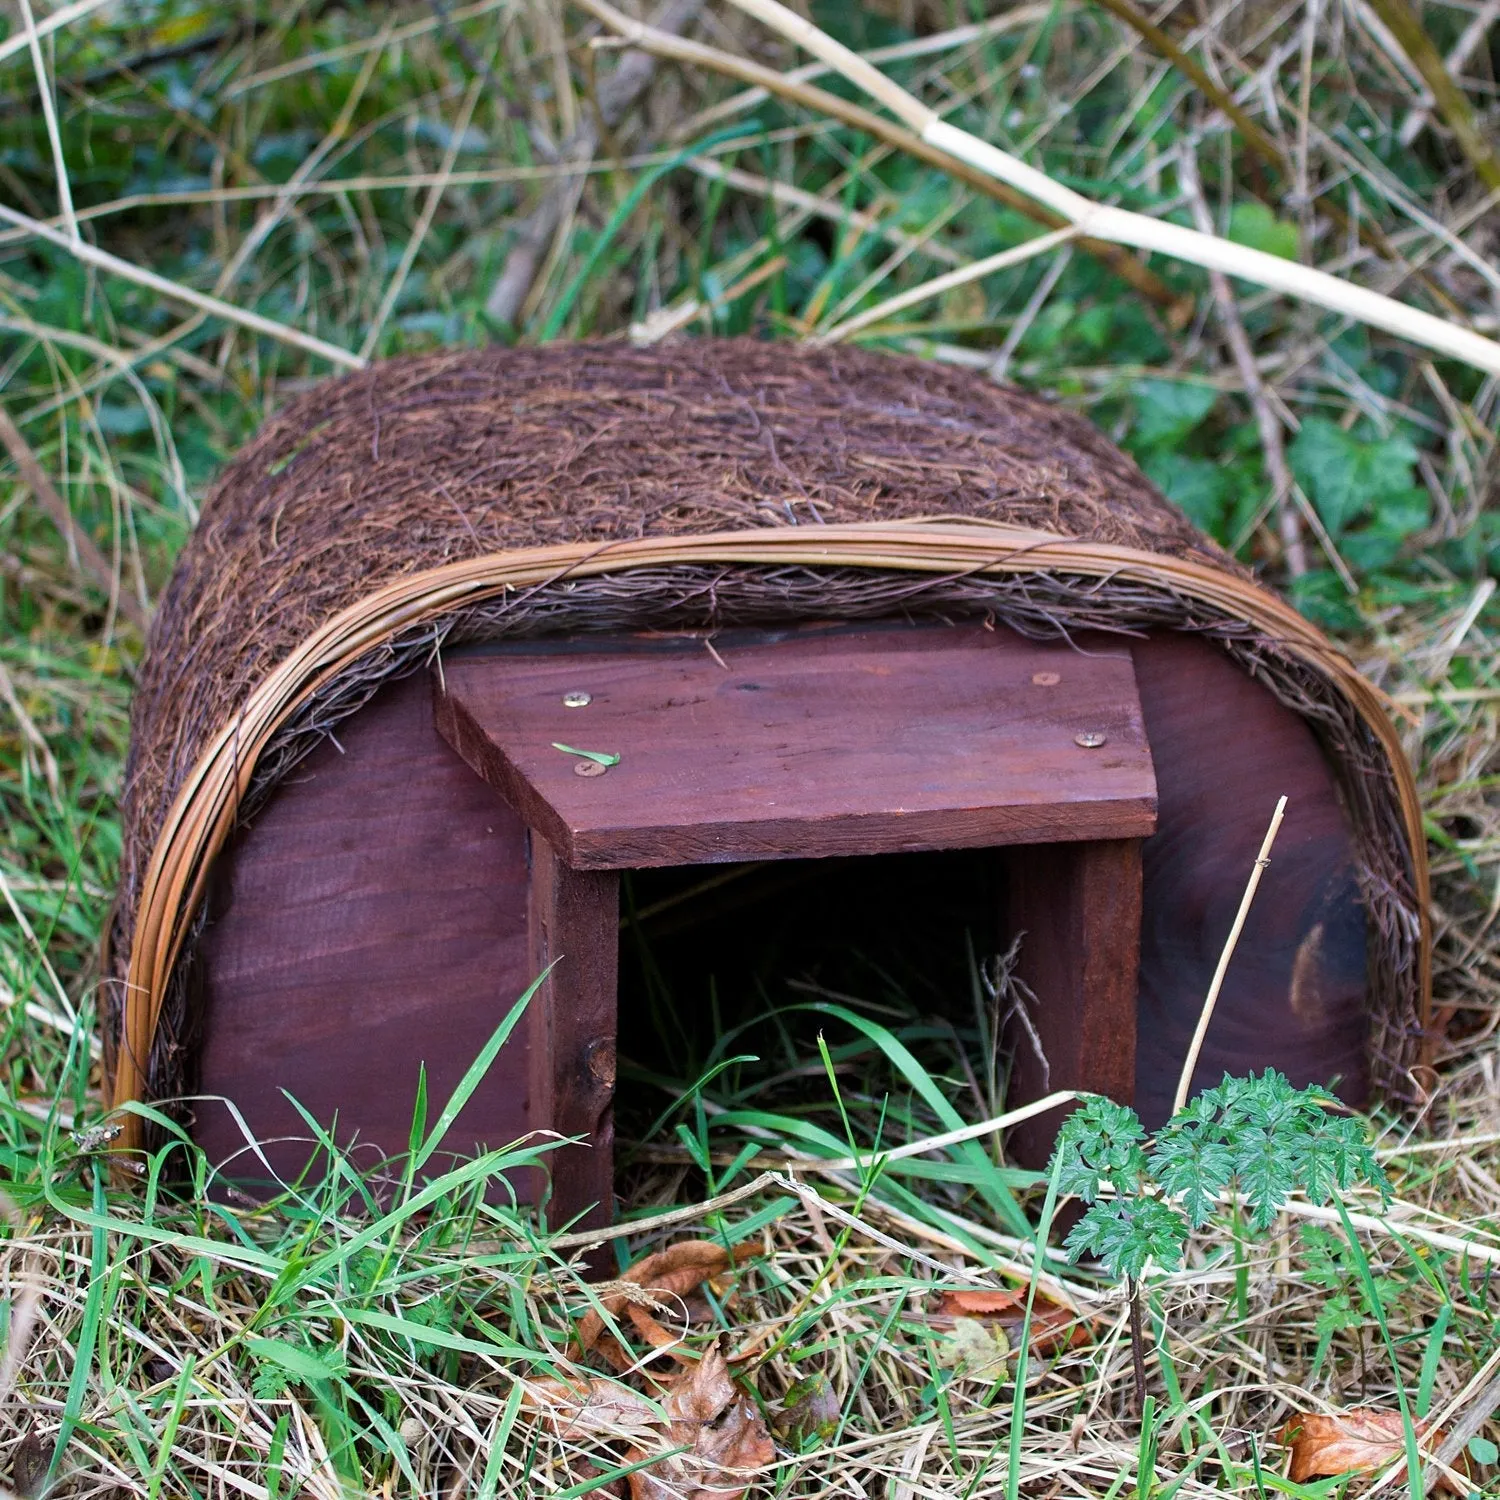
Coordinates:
x,y
876,739
1295,995
372,919
1079,906
574,928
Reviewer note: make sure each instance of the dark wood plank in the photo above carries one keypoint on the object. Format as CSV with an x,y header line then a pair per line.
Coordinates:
x,y
1295,995
856,740
1079,906
372,919
574,924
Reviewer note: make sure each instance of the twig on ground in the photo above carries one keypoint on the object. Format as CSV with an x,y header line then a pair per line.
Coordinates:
x,y
616,96
91,561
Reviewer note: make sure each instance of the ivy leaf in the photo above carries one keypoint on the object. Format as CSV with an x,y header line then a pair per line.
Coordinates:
x,y
1347,477
1254,224
1168,410
1200,487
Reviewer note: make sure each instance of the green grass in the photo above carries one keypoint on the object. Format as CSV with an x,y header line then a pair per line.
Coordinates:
x,y
283,159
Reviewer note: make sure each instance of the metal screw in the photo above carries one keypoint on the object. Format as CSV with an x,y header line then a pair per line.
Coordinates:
x,y
1090,739
577,700
588,768
1046,679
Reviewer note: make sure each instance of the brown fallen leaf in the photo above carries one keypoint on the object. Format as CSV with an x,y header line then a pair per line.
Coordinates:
x,y
1359,1440
723,1431
1053,1326
675,1272
29,1465
810,1411
592,1405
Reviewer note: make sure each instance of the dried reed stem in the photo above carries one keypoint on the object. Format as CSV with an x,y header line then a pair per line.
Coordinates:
x,y
1451,101
91,255
1123,227
91,561
64,16
783,86
1185,1082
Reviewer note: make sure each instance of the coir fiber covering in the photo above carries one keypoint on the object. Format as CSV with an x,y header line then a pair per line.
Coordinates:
x,y
502,493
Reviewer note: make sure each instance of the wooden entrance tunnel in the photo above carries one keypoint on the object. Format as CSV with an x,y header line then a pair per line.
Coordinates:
x,y
814,742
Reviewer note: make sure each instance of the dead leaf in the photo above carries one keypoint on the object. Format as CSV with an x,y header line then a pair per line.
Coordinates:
x,y
976,1350
1359,1440
592,1405
810,1409
29,1465
723,1431
673,1273
1053,1326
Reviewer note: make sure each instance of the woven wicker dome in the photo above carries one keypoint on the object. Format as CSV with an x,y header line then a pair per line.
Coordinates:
x,y
599,486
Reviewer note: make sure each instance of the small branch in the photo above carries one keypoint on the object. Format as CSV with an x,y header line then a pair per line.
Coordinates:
x,y
1452,103
616,96
1123,227
1267,422
1185,1082
90,560
1128,267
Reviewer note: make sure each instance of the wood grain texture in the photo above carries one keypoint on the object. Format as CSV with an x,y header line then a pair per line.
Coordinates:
x,y
1079,908
806,743
573,928
1296,992
372,919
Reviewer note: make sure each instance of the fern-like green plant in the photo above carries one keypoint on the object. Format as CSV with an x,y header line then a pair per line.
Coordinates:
x,y
1257,1136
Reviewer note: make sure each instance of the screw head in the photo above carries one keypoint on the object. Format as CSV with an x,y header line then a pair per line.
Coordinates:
x,y
1090,739
1046,679
588,768
577,699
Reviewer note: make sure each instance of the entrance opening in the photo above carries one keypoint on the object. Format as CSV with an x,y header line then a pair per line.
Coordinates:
x,y
719,961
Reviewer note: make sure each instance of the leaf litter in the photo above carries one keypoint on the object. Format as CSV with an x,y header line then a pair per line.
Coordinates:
x,y
706,1427
1359,1441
